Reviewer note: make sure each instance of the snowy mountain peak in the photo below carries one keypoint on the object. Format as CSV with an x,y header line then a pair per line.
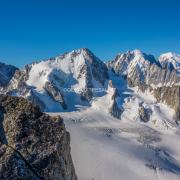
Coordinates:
x,y
138,55
169,55
126,62
62,66
132,52
170,60
137,52
82,51
85,53
62,81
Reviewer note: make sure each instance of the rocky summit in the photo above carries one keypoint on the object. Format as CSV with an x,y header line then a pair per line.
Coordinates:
x,y
33,145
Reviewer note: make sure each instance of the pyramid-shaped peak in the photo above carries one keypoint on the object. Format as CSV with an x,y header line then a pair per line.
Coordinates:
x,y
137,51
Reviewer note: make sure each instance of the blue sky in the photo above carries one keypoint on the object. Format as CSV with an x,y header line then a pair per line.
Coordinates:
x,y
39,29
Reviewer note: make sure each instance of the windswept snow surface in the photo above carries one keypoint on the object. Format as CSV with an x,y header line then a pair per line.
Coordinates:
x,y
106,148
61,66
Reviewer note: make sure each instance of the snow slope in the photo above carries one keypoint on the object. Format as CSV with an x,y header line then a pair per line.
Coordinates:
x,y
104,147
63,67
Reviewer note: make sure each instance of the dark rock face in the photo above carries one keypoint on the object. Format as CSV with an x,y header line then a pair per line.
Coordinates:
x,y
86,94
6,73
33,144
100,71
55,94
94,66
157,76
17,84
163,83
170,96
18,87
114,109
144,113
13,166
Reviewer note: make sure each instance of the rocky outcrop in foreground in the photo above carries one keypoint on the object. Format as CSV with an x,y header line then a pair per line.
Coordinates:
x,y
33,145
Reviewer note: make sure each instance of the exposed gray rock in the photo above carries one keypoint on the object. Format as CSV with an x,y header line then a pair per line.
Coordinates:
x,y
114,109
6,73
36,146
17,85
170,96
157,77
55,94
86,94
95,67
13,166
144,113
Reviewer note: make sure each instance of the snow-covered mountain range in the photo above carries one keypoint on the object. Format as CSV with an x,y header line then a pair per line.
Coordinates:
x,y
135,91
77,77
147,73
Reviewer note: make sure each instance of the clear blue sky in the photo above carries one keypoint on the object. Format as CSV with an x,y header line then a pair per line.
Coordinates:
x,y
38,29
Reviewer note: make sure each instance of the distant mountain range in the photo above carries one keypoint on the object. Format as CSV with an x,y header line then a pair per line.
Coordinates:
x,y
79,77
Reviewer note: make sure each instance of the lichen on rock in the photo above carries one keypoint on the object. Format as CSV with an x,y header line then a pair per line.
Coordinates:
x,y
36,145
